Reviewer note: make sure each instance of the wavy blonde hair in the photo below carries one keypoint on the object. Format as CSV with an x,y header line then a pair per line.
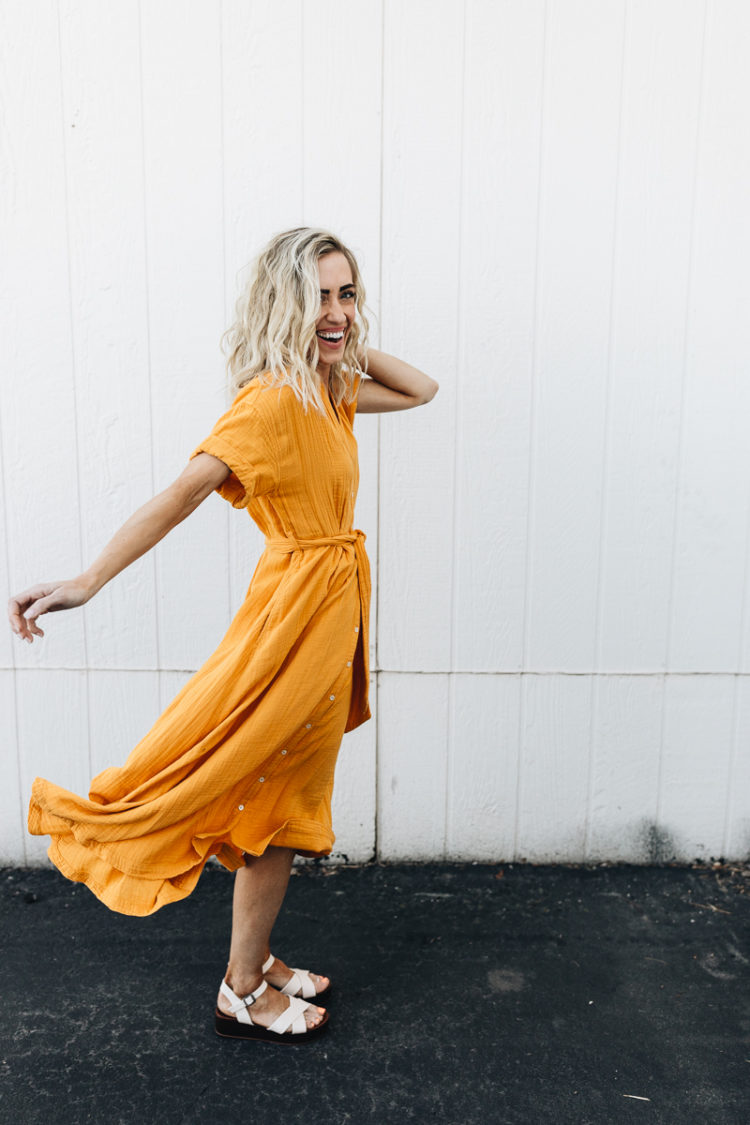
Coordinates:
x,y
274,333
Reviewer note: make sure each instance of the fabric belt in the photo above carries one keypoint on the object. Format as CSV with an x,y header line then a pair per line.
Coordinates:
x,y
289,544
357,539
359,707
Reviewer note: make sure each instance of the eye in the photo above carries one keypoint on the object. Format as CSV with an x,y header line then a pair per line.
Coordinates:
x,y
349,295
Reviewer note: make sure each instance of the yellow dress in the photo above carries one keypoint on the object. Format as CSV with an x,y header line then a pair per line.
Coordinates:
x,y
244,756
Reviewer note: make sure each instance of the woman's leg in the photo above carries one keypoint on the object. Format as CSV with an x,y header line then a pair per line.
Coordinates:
x,y
259,891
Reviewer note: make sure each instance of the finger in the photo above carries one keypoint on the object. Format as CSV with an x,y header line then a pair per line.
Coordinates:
x,y
21,629
18,605
17,620
43,605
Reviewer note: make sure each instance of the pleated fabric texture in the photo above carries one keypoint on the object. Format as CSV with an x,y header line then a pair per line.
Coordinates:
x,y
244,756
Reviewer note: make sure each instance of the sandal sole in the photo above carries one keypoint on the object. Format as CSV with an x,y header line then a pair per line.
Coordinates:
x,y
230,1028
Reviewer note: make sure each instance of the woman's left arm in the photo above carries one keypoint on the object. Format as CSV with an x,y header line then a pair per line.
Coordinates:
x,y
392,385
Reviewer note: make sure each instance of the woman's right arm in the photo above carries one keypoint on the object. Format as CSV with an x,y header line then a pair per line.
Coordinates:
x,y
139,534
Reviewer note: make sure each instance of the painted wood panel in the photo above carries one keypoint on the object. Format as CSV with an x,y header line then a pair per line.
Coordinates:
x,y
622,799
483,766
651,273
500,187
183,189
710,564
554,740
412,765
421,199
695,766
123,706
102,112
12,812
53,738
578,183
37,393
736,843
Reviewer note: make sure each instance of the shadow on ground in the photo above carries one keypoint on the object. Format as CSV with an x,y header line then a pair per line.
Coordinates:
x,y
464,994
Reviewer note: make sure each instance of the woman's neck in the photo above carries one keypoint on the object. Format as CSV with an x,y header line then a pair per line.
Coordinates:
x,y
324,374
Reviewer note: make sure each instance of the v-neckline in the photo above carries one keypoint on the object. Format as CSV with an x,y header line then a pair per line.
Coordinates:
x,y
332,405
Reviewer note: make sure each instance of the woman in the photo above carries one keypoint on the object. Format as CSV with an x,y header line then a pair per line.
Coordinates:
x,y
241,763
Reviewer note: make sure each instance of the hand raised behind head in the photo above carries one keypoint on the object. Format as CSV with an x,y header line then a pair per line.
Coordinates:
x,y
45,597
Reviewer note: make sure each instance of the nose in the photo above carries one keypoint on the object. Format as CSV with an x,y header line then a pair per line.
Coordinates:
x,y
335,312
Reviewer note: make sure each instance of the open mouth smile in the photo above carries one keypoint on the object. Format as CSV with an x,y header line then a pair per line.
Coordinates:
x,y
332,339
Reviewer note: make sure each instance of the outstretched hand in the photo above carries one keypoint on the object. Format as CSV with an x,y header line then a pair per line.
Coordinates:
x,y
46,597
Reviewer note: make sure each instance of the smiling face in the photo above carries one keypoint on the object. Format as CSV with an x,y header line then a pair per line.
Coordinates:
x,y
338,308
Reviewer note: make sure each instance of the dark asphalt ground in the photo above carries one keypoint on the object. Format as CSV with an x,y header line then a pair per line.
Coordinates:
x,y
464,994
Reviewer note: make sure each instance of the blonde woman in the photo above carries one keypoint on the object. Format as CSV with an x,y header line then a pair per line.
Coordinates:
x,y
241,763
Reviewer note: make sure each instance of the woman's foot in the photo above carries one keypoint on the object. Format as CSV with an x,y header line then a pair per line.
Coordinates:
x,y
280,974
268,1006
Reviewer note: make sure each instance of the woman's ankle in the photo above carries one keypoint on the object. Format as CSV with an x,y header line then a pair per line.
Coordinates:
x,y
243,980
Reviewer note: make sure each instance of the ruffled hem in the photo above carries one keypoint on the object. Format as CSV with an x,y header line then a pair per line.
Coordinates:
x,y
139,893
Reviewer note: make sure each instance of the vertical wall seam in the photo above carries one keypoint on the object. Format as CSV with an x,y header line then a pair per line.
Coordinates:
x,y
610,348
608,443
74,367
530,477
685,338
731,767
147,311
13,669
225,309
457,433
378,435
736,707
744,625
683,408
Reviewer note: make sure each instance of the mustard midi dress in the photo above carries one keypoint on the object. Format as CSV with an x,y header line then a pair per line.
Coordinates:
x,y
244,756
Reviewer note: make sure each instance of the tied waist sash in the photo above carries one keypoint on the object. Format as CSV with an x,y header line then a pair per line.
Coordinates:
x,y
288,544
356,538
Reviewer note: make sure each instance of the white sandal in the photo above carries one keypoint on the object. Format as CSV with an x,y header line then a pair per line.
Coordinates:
x,y
239,1025
299,984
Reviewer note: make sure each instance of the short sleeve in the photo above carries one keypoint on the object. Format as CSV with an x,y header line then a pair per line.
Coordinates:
x,y
242,439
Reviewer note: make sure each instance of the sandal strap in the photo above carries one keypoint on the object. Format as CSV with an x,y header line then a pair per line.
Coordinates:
x,y
293,1017
268,963
300,982
240,1004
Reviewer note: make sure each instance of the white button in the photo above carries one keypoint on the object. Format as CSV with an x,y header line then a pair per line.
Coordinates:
x,y
332,698
308,725
356,628
348,663
261,779
241,808
283,751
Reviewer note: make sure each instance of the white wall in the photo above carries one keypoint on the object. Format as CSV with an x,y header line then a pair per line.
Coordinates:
x,y
549,201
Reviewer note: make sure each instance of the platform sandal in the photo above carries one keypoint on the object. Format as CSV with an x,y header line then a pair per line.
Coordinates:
x,y
239,1025
299,984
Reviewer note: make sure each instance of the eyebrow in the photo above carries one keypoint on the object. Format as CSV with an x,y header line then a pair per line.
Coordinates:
x,y
349,285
